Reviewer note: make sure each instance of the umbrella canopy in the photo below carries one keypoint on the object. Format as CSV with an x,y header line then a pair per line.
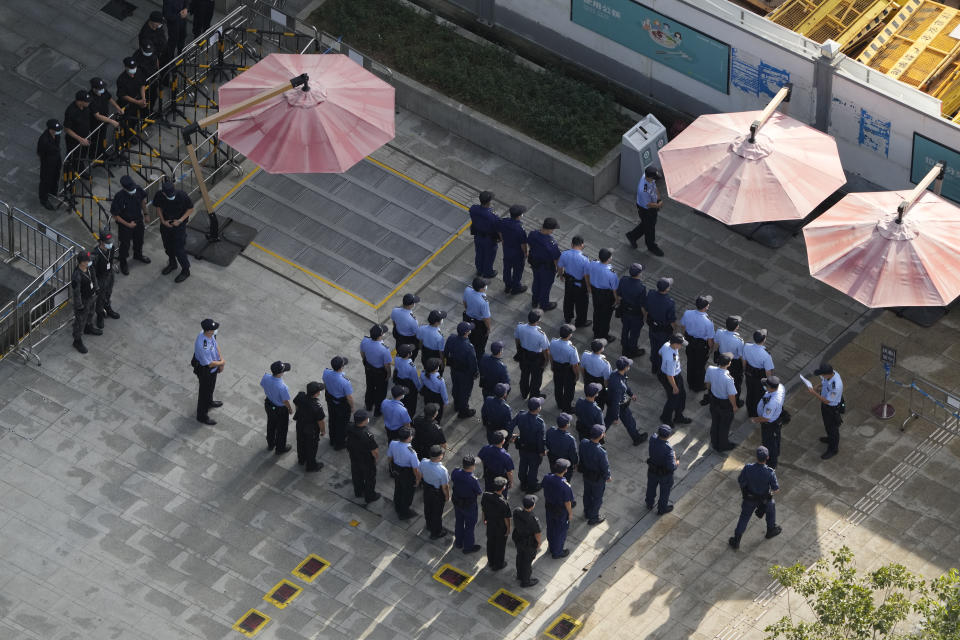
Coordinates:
x,y
858,247
783,174
343,114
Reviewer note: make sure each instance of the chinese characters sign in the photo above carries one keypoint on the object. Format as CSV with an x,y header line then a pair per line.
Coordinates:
x,y
927,153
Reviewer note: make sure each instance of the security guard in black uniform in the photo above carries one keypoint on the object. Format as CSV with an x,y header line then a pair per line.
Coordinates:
x,y
758,483
103,259
311,426
530,443
587,410
527,537
129,211
202,12
132,96
148,63
492,369
175,13
497,517
496,414
77,125
661,318
174,208
364,454
83,288
632,310
103,110
51,162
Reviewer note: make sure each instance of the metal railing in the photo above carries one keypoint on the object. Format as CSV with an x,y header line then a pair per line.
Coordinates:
x,y
933,404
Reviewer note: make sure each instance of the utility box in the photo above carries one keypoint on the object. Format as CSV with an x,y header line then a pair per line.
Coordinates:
x,y
638,150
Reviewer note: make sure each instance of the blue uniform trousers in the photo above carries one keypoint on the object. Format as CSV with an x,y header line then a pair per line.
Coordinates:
x,y
593,497
770,438
528,468
512,270
465,519
486,253
627,420
630,335
664,483
747,509
542,281
557,527
462,386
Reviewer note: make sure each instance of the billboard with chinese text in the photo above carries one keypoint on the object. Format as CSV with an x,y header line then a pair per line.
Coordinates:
x,y
927,153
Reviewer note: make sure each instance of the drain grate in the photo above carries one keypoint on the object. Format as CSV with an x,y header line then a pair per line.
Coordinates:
x,y
452,577
283,593
119,9
506,601
562,628
310,568
251,623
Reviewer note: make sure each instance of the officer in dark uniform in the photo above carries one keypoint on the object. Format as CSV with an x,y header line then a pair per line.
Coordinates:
x,y
757,365
496,515
103,108
533,354
648,204
48,150
311,425
148,63
602,283
427,431
83,289
207,364
496,462
526,535
530,444
566,368
484,227
376,368
405,324
572,266
596,370
661,319
202,12
132,96
276,404
339,397
103,265
758,483
174,208
462,359
633,301
723,402
175,14
558,499
154,31
619,397
514,240
770,418
364,454
129,211
464,493
660,467
561,444
543,256
476,311
595,469
77,125
492,369
587,410
496,415
698,329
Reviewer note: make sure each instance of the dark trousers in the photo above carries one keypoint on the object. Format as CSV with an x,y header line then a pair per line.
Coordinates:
x,y
564,386
832,419
479,335
602,312
125,236
461,387
747,509
278,420
602,396
575,301
400,339
770,438
83,315
542,281
512,271
557,526
177,30
676,402
393,434
465,520
49,179
434,397
208,382
376,391
593,497
202,15
528,469
754,391
627,420
531,373
308,440
363,470
647,227
403,489
409,400
721,417
697,352
662,482
630,334
175,245
736,372
485,253
657,338
104,295
525,556
433,500
338,409
496,544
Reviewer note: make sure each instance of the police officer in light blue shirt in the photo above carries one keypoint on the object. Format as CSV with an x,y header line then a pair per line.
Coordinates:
x,y
436,491
671,379
572,266
404,463
596,369
532,353
277,405
648,204
405,323
405,374
434,387
727,340
699,334
830,393
377,363
566,368
602,282
770,417
339,396
476,311
209,364
431,338
757,364
395,415
723,402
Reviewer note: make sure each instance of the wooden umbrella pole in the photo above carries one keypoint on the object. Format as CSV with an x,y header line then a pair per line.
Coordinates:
x,y
783,94
936,173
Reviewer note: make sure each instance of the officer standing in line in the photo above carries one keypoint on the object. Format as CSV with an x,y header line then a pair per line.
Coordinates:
x,y
207,364
497,516
660,467
484,225
558,499
476,311
154,31
770,418
202,12
526,535
174,208
698,330
572,266
405,469
405,324
436,491
102,109
530,444
633,300
757,364
364,454
496,414
514,240
729,341
648,206
278,407
723,402
496,462
758,483
431,338
434,389
595,469
339,397
561,444
462,359
588,412
175,13
830,393
427,431
77,125
103,259
83,288
51,163
132,96
148,63
533,354
405,374
492,369
671,379
465,490
619,396
661,318
596,370
376,368
602,283
129,211
311,424
395,416
543,257
566,368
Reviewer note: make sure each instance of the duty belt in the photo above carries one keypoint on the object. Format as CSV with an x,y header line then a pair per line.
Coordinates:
x,y
752,371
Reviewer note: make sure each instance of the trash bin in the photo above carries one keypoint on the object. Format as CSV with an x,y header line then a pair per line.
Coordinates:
x,y
638,150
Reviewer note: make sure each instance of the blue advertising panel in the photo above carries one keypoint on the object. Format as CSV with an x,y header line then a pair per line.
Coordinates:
x,y
927,153
658,37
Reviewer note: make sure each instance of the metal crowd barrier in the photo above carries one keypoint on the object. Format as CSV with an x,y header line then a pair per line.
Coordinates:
x,y
933,404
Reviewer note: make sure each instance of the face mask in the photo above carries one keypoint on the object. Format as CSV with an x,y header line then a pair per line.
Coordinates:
x,y
132,71
132,191
171,197
147,55
215,332
56,133
99,92
108,245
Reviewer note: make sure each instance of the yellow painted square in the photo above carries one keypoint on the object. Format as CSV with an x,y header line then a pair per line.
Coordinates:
x,y
354,523
563,618
438,576
308,578
520,607
280,604
254,631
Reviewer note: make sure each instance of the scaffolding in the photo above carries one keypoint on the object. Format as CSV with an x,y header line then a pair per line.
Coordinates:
x,y
847,22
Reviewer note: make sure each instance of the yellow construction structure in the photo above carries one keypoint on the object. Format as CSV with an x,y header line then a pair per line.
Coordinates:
x,y
848,22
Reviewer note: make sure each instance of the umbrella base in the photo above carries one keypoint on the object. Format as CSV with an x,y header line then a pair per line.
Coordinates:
x,y
769,234
923,316
233,238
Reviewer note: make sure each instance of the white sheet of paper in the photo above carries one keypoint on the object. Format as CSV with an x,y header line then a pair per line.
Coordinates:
x,y
806,382
278,17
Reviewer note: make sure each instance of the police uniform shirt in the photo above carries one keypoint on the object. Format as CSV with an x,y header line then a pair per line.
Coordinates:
x,y
588,414
406,371
78,121
496,461
758,479
596,365
275,389
563,352
573,263
375,352
336,383
729,342
531,337
530,428
602,276
661,309
525,526
561,444
697,324
632,294
618,391
556,490
495,510
128,206
662,454
593,457
395,414
771,405
493,370
426,433
100,104
646,193
205,350
172,209
129,86
514,237
360,441
495,414
670,360
543,248
756,356
832,389
460,353
430,337
721,382
434,382
476,303
402,454
483,221
404,322
463,485
434,473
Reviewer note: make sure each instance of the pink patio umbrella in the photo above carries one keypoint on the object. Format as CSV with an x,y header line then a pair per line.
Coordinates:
x,y
753,166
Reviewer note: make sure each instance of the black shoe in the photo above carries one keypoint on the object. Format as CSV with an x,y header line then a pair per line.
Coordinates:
x,y
530,583
216,404
437,536
640,439
79,346
549,306
739,403
207,420
610,339
655,250
639,352
287,448
409,514
313,468
585,323
492,274
124,269
828,454
596,521
684,420
632,241
112,314
142,258
183,275
99,322
170,268
666,509
562,554
521,289
46,205
773,533
473,549
533,488
734,542
93,331
497,567
469,413
730,446
704,401
824,439
376,496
